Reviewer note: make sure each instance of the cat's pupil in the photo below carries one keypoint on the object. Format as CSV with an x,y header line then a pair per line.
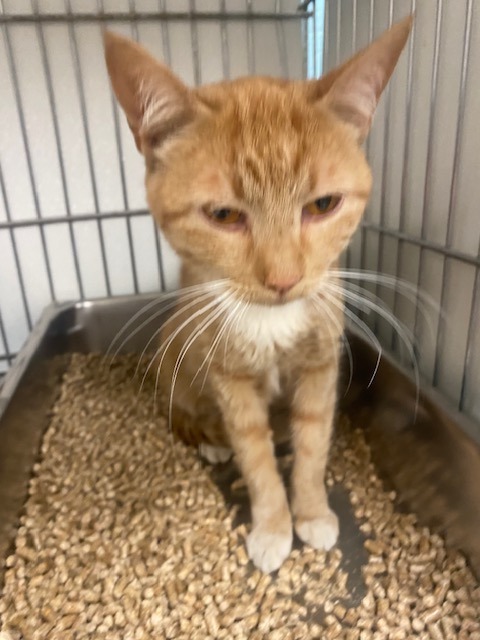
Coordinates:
x,y
324,203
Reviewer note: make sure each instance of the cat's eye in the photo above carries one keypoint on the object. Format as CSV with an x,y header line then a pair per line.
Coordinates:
x,y
226,217
322,206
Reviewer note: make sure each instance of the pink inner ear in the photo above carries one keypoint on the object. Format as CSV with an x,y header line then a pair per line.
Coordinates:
x,y
354,98
166,105
357,85
149,93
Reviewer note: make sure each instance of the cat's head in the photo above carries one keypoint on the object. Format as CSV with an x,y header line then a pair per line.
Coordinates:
x,y
259,181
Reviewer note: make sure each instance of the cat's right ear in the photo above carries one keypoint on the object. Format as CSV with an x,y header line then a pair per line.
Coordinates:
x,y
353,90
155,101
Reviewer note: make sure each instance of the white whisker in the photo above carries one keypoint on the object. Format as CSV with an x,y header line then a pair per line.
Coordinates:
x,y
196,333
235,323
365,293
146,322
144,309
168,341
213,349
401,330
178,293
364,327
416,296
192,303
320,305
336,322
381,309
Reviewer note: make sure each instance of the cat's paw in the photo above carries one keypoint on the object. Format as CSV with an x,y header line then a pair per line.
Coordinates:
x,y
319,533
268,550
213,454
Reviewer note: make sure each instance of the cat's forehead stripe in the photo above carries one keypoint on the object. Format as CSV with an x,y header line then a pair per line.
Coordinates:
x,y
279,149
267,147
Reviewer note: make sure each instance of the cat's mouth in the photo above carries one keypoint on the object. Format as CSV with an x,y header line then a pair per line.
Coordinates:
x,y
282,301
266,298
279,300
256,294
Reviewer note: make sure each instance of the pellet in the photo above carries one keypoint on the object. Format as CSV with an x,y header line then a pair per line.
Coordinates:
x,y
435,632
351,617
126,534
375,547
328,606
339,611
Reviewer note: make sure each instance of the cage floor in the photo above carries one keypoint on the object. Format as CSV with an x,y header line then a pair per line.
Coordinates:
x,y
127,536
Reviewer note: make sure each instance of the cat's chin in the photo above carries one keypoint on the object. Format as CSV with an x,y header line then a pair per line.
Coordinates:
x,y
276,301
280,302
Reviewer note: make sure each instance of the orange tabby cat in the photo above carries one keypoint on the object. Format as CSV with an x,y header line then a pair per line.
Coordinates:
x,y
258,184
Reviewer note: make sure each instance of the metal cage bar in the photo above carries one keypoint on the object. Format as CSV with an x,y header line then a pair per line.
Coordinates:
x,y
419,253
86,131
383,197
225,44
23,128
16,257
3,335
152,16
399,264
364,228
428,162
58,142
121,165
452,212
250,40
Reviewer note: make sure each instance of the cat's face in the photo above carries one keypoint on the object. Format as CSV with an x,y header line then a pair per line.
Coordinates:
x,y
258,181
235,191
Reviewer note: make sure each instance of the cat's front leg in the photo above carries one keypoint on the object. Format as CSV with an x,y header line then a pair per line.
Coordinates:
x,y
245,415
312,418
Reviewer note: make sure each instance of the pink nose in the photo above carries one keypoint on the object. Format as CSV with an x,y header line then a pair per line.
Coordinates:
x,y
282,285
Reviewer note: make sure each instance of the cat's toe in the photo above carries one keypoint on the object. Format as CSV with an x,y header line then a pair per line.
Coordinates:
x,y
213,454
319,533
268,550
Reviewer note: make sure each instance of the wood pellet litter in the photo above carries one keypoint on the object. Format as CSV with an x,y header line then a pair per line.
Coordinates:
x,y
127,537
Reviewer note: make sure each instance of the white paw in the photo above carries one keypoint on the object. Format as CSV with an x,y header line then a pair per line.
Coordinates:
x,y
266,550
214,455
319,533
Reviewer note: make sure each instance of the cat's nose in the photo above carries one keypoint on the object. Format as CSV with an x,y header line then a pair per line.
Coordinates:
x,y
283,284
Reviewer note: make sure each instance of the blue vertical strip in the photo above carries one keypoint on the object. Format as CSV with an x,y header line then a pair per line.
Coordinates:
x,y
310,49
315,38
319,41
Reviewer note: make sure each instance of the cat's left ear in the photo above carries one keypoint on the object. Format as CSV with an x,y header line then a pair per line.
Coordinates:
x,y
353,90
155,101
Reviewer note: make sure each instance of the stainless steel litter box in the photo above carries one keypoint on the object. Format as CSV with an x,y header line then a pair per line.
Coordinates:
x,y
431,460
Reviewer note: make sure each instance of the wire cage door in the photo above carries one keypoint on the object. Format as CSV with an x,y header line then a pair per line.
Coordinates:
x,y
73,218
422,223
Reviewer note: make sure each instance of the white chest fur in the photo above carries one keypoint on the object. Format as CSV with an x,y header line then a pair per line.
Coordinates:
x,y
260,331
268,328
